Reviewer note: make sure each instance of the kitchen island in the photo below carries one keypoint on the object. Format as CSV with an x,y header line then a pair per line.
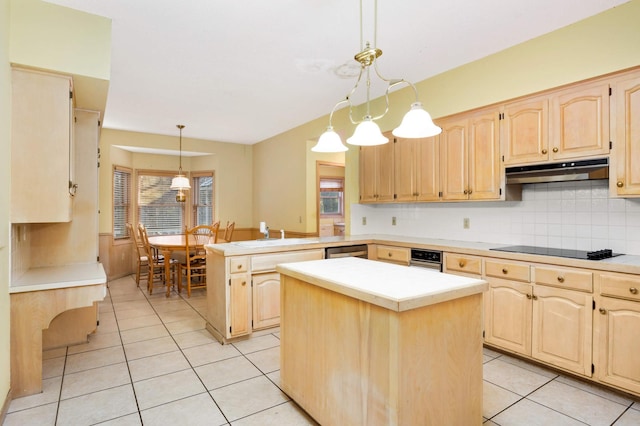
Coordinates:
x,y
371,343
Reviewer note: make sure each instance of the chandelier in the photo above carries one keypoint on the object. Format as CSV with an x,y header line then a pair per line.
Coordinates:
x,y
180,182
417,122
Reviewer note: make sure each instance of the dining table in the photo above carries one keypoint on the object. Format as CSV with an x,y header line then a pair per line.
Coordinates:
x,y
167,244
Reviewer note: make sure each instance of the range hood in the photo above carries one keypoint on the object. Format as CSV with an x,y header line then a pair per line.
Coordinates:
x,y
559,172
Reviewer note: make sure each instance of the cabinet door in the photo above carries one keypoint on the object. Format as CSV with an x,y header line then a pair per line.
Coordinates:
x,y
405,184
525,131
239,305
428,169
580,121
453,157
484,157
562,328
40,147
376,173
627,132
618,343
508,315
266,300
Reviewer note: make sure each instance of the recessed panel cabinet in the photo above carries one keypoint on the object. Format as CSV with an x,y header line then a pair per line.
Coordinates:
x,y
525,131
376,173
417,169
627,138
41,140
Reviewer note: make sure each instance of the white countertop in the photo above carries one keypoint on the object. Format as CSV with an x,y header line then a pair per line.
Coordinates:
x,y
390,286
63,276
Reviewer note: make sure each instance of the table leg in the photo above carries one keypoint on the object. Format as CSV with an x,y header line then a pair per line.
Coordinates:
x,y
167,269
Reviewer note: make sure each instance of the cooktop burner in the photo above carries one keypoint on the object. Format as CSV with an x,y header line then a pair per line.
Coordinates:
x,y
573,254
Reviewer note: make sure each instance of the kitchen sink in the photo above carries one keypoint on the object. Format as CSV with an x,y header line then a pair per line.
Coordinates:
x,y
270,242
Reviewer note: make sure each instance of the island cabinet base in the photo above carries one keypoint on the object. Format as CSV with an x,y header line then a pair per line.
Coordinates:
x,y
349,362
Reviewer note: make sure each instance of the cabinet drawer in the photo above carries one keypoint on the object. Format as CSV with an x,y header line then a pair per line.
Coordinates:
x,y
268,262
564,278
238,264
463,263
623,286
507,270
392,254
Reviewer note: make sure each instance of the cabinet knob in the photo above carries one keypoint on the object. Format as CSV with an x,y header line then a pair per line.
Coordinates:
x,y
244,283
602,311
555,149
544,151
528,296
390,254
465,192
470,191
534,297
561,279
461,264
505,270
633,290
619,184
239,267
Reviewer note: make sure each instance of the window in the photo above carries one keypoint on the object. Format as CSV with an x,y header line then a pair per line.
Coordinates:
x,y
331,196
158,209
121,201
202,198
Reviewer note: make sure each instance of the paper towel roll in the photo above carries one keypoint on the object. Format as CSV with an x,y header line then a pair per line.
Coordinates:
x,y
263,227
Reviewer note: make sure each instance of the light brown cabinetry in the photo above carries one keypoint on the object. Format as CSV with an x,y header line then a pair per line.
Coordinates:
x,y
462,264
470,156
564,124
266,300
417,171
391,254
617,323
626,142
376,173
239,297
548,320
41,140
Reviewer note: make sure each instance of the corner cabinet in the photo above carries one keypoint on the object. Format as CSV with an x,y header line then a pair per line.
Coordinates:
x,y
470,157
376,173
41,147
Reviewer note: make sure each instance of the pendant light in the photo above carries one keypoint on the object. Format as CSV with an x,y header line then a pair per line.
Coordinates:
x,y
180,181
417,123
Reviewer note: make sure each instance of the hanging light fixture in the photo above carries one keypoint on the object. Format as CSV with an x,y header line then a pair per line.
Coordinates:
x,y
417,123
180,182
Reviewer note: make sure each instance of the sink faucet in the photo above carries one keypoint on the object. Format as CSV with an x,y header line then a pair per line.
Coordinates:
x,y
282,234
266,232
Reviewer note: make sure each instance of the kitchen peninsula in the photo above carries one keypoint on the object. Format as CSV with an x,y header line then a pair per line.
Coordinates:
x,y
365,342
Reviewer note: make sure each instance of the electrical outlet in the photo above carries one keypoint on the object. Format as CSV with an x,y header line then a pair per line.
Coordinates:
x,y
393,221
465,223
364,220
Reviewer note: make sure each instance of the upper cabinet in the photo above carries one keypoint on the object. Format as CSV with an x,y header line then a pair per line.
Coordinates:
x,y
626,144
565,124
470,156
41,139
376,173
417,171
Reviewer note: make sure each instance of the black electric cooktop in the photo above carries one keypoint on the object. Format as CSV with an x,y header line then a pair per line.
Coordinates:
x,y
573,254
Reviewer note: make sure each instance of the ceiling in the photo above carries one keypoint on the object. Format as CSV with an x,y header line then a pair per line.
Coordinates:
x,y
243,71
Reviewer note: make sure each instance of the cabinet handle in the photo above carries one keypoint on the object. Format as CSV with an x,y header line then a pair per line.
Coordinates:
x,y
461,264
555,149
465,192
505,270
528,296
561,279
534,297
390,254
619,184
633,290
544,151
239,267
602,311
470,191
244,283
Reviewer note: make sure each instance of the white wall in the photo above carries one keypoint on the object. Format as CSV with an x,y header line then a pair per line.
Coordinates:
x,y
575,215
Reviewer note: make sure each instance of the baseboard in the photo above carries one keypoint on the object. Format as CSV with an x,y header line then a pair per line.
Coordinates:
x,y
5,407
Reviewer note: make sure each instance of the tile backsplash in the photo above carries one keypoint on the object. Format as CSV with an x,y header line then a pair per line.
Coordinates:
x,y
572,215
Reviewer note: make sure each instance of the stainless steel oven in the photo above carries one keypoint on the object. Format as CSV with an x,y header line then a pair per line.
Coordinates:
x,y
423,258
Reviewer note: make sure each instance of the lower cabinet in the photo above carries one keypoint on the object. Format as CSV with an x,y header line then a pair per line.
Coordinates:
x,y
549,324
392,254
266,300
240,299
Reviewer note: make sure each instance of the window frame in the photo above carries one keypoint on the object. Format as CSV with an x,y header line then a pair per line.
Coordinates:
x,y
128,204
138,205
194,197
341,197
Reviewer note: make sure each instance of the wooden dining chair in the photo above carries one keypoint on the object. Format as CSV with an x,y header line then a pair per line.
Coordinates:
x,y
194,268
142,258
228,232
156,263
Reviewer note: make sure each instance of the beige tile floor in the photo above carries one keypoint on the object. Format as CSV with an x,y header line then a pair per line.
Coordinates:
x,y
152,362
